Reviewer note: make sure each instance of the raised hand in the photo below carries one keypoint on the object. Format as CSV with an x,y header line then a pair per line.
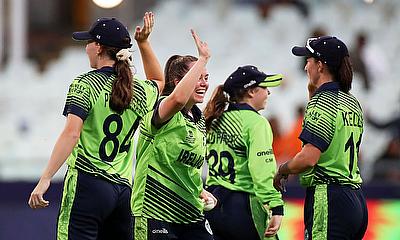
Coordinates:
x,y
142,33
36,199
202,47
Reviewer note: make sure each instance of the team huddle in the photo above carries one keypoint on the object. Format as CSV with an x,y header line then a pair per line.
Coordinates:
x,y
167,199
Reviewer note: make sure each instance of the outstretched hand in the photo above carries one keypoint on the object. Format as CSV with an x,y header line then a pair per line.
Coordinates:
x,y
142,33
202,47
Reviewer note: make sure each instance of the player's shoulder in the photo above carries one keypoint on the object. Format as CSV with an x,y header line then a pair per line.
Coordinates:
x,y
253,119
323,96
251,115
143,83
85,78
324,100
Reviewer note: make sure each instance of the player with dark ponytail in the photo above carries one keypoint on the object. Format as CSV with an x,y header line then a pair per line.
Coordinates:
x,y
335,206
103,109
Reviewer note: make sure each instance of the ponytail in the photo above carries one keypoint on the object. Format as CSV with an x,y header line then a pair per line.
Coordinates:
x,y
215,107
121,93
344,74
122,88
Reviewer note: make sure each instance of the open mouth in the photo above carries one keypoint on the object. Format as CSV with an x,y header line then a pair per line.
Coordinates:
x,y
201,91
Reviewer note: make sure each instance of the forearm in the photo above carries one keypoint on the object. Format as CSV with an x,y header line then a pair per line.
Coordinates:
x,y
62,149
177,100
151,65
302,161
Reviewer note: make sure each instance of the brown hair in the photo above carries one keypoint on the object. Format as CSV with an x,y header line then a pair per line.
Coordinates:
x,y
216,106
343,74
121,93
175,69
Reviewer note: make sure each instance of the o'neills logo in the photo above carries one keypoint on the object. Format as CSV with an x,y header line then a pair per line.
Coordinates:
x,y
252,82
162,231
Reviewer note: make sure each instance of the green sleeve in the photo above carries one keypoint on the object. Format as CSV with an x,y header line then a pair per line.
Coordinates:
x,y
145,96
262,164
319,121
78,100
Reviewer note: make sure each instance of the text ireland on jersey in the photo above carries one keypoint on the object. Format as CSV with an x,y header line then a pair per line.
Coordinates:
x,y
191,158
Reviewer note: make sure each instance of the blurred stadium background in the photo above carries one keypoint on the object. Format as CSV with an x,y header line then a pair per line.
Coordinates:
x,y
38,60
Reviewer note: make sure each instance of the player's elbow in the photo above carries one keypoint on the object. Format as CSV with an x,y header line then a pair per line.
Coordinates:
x,y
72,134
310,155
309,163
178,100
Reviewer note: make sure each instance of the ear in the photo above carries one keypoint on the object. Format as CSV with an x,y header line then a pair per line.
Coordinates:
x,y
99,48
252,92
176,81
320,66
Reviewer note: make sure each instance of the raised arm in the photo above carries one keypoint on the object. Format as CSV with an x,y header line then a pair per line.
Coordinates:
x,y
151,65
177,100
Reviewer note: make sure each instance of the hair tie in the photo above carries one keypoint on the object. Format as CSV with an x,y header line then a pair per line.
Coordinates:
x,y
125,55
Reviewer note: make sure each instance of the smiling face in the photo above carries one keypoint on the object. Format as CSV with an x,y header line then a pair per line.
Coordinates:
x,y
201,88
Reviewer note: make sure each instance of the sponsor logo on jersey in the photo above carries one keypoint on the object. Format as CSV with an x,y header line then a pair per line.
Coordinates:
x,y
314,116
77,89
208,228
265,153
160,231
190,137
269,154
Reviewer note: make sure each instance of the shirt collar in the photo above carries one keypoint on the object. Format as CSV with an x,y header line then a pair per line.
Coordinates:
x,y
329,86
106,70
240,106
196,112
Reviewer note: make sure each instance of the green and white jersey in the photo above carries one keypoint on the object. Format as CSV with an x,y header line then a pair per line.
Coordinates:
x,y
333,123
105,146
168,169
240,155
